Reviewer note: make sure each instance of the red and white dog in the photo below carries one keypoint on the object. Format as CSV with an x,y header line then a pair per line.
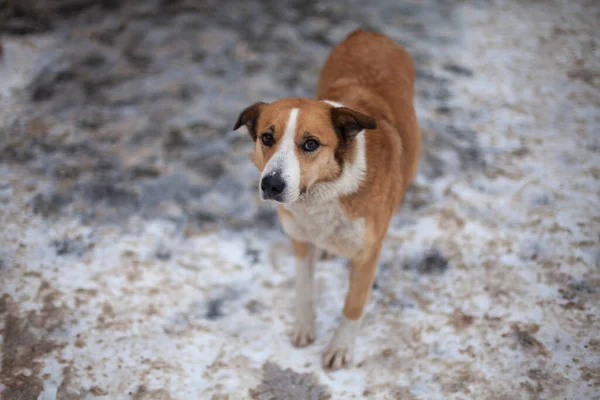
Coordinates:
x,y
339,166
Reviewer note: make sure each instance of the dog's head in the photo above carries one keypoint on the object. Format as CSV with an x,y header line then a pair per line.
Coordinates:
x,y
299,143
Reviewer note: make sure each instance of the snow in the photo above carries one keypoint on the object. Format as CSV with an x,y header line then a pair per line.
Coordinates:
x,y
154,275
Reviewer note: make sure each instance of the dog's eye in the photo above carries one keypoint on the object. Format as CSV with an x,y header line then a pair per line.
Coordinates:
x,y
267,139
310,145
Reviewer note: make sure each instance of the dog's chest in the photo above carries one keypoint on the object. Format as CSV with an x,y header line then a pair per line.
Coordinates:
x,y
326,225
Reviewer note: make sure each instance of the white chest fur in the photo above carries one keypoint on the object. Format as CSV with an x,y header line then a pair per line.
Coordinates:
x,y
325,224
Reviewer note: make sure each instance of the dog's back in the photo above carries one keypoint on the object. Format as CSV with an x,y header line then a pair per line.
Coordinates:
x,y
372,60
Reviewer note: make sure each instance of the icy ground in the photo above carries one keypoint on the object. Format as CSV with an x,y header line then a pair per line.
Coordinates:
x,y
136,261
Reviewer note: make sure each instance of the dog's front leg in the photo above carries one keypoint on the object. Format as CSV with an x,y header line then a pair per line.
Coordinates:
x,y
304,330
362,273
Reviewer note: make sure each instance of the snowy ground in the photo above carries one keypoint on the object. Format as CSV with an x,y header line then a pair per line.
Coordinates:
x,y
136,261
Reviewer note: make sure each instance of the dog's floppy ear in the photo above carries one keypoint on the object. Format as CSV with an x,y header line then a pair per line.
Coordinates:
x,y
348,123
249,117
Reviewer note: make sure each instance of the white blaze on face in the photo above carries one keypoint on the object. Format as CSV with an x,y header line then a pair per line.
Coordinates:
x,y
285,160
333,103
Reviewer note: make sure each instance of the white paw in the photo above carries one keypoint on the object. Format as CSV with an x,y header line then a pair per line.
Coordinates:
x,y
304,334
337,357
339,352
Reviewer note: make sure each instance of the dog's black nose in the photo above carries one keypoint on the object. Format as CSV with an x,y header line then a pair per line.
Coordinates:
x,y
272,186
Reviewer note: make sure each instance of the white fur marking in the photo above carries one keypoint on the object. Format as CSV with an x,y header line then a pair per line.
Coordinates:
x,y
286,161
333,103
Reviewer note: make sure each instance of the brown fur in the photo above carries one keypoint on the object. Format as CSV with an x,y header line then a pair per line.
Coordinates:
x,y
370,73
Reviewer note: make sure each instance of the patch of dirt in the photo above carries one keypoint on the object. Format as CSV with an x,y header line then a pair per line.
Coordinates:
x,y
459,320
71,246
591,375
545,380
288,385
588,76
395,392
525,339
98,391
26,342
65,390
433,262
144,394
594,345
459,379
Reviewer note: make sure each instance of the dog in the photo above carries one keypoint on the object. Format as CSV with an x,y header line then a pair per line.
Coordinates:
x,y
339,166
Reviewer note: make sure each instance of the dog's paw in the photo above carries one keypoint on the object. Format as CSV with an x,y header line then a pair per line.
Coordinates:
x,y
336,357
304,334
339,352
